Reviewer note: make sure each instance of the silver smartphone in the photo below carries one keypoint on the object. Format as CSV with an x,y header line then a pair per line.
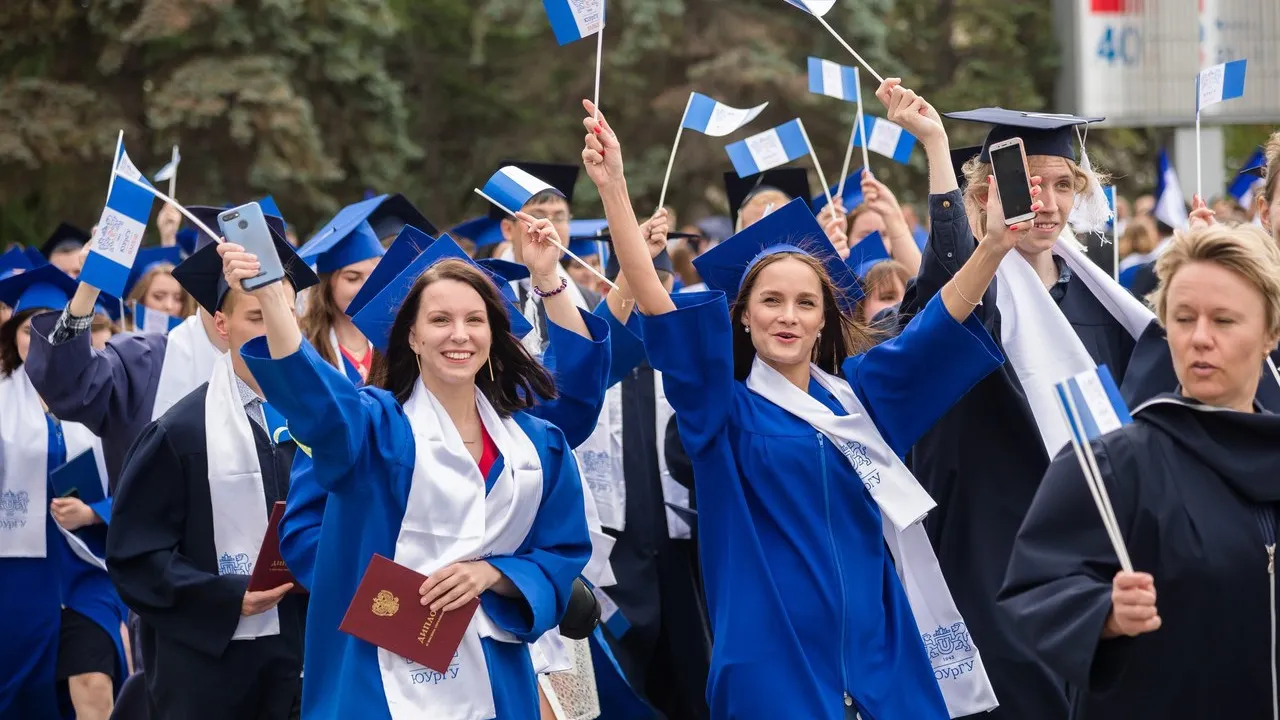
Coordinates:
x,y
1013,180
246,226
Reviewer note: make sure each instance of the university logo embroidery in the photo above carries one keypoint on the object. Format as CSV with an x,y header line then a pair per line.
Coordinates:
x,y
861,461
13,509
385,604
593,463
237,565
947,641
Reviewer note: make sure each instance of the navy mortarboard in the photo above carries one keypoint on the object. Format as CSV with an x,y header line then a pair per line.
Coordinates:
x,y
1041,133
959,158
65,238
355,234
482,231
148,258
792,182
47,287
201,274
408,245
791,228
13,262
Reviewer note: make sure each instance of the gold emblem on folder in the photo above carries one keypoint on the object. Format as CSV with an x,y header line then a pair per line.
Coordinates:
x,y
385,604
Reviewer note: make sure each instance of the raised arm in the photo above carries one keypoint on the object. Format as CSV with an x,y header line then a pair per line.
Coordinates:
x,y
602,157
542,257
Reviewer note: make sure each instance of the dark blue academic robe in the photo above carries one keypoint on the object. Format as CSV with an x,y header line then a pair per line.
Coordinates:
x,y
111,392
1151,372
807,609
1195,494
982,463
364,455
579,366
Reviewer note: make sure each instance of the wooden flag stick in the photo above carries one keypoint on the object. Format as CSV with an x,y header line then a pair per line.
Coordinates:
x,y
848,47
662,198
816,165
1089,464
173,174
186,213
563,249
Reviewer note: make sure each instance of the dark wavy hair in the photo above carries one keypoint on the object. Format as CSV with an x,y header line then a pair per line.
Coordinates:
x,y
9,359
842,335
518,379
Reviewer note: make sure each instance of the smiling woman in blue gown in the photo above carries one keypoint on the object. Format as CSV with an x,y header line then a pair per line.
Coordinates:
x,y
808,520
436,465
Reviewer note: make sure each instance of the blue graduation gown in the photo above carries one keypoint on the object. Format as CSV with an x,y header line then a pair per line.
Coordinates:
x,y
363,449
982,463
34,592
804,599
579,366
111,392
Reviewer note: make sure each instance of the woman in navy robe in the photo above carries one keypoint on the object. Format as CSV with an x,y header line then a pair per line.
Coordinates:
x,y
810,617
63,653
396,457
1192,481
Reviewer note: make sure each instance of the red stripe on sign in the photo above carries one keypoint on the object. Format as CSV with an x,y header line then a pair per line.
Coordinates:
x,y
1117,6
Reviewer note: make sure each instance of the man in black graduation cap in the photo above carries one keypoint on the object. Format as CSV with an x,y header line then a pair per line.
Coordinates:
x,y
63,248
190,513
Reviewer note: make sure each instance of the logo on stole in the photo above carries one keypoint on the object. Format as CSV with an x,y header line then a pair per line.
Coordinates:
x,y
235,565
866,470
385,604
947,641
14,503
593,463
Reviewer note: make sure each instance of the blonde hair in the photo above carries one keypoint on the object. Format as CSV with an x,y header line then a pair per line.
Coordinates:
x,y
1138,238
1272,153
881,274
976,185
317,319
1245,250
143,286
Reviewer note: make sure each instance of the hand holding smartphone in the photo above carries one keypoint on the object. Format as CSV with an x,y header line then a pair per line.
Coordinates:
x,y
246,226
1013,180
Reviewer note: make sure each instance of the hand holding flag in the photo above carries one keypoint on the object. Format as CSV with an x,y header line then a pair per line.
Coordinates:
x,y
119,231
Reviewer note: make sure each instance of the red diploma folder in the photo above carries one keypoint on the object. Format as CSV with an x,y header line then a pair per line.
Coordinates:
x,y
270,572
387,611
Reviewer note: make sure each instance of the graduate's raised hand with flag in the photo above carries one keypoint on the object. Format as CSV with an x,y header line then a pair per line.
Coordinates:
x,y
911,111
602,155
655,231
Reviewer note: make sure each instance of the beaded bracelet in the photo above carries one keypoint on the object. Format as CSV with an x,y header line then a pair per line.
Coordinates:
x,y
564,283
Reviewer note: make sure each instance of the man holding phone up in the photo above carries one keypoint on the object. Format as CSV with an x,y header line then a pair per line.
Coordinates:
x,y
191,511
1053,313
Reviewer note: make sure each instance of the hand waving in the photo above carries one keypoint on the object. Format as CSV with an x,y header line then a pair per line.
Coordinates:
x,y
540,251
911,111
601,154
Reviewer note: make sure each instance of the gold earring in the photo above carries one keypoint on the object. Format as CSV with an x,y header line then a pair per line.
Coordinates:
x,y
489,362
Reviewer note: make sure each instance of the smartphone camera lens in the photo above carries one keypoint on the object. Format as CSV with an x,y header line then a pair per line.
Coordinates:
x,y
243,224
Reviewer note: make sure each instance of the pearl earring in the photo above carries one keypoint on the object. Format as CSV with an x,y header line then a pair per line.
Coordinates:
x,y
746,329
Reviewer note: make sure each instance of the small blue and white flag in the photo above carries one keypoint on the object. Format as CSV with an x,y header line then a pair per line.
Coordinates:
x,y
712,117
153,321
769,149
833,80
813,7
170,168
886,138
1220,82
1093,404
119,234
1247,181
512,187
610,616
572,20
1171,205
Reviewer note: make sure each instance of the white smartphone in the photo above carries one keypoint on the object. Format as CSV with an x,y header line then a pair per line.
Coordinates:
x,y
1009,165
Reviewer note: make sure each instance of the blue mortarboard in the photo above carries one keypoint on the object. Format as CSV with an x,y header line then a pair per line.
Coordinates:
x,y
65,237
662,262
201,274
582,247
504,273
42,287
790,181
188,238
791,228
482,231
587,228
148,258
1041,133
13,260
866,254
851,198
409,244
1258,170
355,233
36,257
561,177
269,207
378,315
961,156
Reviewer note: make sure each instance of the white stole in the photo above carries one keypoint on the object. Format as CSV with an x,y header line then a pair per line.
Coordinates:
x,y
24,470
188,362
236,495
1041,345
957,666
448,519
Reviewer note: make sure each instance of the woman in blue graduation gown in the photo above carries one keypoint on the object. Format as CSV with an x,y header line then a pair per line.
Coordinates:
x,y
1192,481
399,470
63,647
796,464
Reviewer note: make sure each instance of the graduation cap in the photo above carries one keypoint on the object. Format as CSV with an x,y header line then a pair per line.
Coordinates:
x,y
47,287
14,261
869,252
201,274
482,231
1258,170
379,314
409,244
355,233
148,258
208,215
790,181
851,198
959,158
36,257
560,177
271,209
791,228
662,262
66,237
1041,133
